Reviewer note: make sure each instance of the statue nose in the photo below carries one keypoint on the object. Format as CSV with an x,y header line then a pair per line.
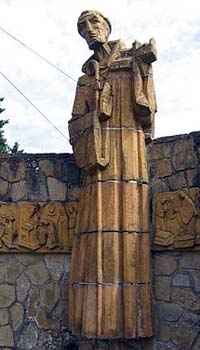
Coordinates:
x,y
89,26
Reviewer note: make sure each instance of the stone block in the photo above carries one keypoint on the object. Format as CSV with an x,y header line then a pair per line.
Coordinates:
x,y
13,169
7,295
45,320
57,189
67,171
184,335
3,274
3,187
184,155
4,257
169,312
185,298
38,273
157,186
3,317
13,270
55,265
17,315
28,259
67,264
177,181
86,346
36,185
33,302
158,151
49,295
193,177
190,260
161,346
165,264
18,191
161,168
196,280
196,345
146,344
64,288
62,169
47,167
6,336
61,311
191,317
29,336
163,332
181,280
22,287
162,288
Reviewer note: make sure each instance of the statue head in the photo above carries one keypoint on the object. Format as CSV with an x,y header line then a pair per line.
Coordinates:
x,y
94,28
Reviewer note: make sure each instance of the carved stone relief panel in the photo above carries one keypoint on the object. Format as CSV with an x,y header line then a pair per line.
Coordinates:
x,y
176,219
41,227
8,232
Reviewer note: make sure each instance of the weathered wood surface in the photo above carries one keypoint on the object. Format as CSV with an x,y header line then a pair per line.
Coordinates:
x,y
176,219
43,227
110,278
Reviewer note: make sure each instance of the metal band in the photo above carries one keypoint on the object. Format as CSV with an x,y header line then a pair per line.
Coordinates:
x,y
139,233
94,127
134,181
126,284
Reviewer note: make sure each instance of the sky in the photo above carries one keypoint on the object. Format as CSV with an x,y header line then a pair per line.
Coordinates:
x,y
50,28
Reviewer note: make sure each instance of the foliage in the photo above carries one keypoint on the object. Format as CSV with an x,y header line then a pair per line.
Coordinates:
x,y
140,180
4,147
3,141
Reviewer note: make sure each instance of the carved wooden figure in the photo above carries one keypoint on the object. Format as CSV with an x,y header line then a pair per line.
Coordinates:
x,y
113,112
176,219
40,227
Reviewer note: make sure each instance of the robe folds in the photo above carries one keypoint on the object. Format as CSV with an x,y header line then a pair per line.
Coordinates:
x,y
110,277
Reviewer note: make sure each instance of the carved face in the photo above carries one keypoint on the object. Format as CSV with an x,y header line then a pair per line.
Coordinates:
x,y
94,29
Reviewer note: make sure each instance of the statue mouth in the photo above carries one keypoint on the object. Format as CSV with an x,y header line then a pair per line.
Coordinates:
x,y
92,36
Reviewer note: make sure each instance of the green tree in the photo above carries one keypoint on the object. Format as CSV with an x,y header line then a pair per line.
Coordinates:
x,y
4,147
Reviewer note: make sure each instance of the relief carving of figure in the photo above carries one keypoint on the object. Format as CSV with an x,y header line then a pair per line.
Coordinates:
x,y
8,234
53,223
72,215
28,217
175,220
112,118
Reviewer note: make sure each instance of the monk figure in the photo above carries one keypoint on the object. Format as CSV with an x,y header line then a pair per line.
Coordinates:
x,y
113,115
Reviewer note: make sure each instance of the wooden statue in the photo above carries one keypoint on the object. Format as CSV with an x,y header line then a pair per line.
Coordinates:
x,y
110,278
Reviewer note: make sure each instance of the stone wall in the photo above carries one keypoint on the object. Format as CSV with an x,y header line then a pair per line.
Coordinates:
x,y
38,177
33,287
174,163
33,301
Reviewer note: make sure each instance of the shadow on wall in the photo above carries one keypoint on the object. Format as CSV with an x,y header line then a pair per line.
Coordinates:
x,y
71,346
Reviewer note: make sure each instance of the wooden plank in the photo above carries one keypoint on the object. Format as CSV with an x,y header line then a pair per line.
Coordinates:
x,y
130,311
89,317
112,312
130,257
146,311
112,257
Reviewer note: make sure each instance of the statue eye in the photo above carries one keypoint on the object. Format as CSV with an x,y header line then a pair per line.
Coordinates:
x,y
95,20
